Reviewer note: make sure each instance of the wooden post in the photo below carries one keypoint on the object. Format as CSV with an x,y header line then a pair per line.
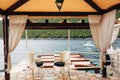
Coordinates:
x,y
6,45
46,21
104,72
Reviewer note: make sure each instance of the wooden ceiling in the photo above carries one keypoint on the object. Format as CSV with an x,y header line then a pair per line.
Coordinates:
x,y
48,7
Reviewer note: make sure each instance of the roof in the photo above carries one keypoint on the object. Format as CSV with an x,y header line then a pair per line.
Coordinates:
x,y
70,7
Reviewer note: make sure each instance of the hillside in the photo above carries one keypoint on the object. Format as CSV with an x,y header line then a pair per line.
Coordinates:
x,y
58,33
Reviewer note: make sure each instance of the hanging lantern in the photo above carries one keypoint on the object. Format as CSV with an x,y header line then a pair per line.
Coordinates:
x,y
59,4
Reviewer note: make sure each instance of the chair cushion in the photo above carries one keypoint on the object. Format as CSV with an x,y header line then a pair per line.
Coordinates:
x,y
38,64
59,64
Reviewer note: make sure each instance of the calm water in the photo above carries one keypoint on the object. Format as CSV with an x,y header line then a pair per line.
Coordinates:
x,y
51,47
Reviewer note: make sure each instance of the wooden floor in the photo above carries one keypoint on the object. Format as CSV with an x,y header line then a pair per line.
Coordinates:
x,y
53,74
20,72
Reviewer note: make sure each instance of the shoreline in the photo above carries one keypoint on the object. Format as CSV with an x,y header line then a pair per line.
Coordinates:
x,y
58,39
61,39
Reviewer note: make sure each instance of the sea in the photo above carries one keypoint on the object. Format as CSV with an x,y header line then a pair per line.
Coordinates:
x,y
53,46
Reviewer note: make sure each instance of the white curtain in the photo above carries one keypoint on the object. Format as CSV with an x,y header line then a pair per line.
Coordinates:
x,y
115,32
101,27
65,57
1,16
16,27
68,39
31,59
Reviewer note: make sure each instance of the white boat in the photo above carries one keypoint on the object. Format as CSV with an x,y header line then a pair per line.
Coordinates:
x,y
89,44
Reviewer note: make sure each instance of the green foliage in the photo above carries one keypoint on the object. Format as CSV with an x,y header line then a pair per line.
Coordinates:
x,y
118,14
56,33
1,29
58,20
119,34
46,33
80,33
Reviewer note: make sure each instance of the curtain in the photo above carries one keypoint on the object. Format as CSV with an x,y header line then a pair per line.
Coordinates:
x,y
65,57
1,16
115,32
16,27
31,59
101,27
68,39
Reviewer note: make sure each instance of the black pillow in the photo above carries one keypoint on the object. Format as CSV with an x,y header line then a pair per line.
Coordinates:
x,y
59,64
38,64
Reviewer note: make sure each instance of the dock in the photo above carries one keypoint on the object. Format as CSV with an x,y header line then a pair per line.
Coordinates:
x,y
77,70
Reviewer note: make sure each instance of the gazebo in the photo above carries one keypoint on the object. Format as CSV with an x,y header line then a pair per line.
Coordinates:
x,y
12,10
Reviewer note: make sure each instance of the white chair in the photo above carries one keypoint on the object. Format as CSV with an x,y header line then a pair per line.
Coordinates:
x,y
64,61
31,60
34,62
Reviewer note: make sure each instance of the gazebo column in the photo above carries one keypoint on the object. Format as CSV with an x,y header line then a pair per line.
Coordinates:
x,y
6,45
104,71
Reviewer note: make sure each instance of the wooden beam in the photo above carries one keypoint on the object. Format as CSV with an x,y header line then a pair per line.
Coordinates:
x,y
117,6
94,6
57,26
29,21
15,6
2,11
55,13
6,46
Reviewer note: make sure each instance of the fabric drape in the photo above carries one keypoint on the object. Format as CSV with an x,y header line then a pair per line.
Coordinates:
x,y
16,27
101,27
65,57
1,16
115,32
31,60
68,39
